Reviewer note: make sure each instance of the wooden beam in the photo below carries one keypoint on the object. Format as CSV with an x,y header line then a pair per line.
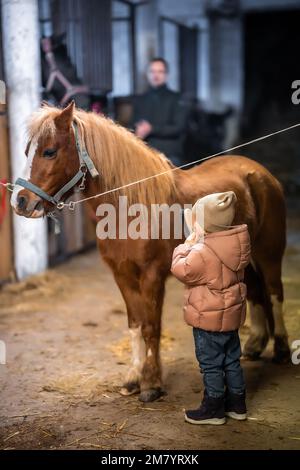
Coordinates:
x,y
6,252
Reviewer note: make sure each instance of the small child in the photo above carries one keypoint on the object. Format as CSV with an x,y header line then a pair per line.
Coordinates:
x,y
215,303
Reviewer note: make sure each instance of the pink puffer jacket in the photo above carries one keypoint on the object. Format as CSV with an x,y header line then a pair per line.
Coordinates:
x,y
215,296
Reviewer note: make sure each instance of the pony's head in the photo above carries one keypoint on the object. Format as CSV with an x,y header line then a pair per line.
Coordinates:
x,y
52,160
65,145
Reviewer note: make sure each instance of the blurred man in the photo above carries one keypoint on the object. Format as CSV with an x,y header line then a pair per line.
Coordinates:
x,y
158,115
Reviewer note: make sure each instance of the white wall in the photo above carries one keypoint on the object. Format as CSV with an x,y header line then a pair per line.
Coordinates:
x,y
147,34
147,39
226,57
203,51
170,52
22,71
121,52
2,92
121,49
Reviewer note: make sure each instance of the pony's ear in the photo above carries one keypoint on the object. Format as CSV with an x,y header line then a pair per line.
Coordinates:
x,y
188,219
64,120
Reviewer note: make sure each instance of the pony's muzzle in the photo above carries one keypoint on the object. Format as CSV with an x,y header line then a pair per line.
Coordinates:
x,y
28,204
22,202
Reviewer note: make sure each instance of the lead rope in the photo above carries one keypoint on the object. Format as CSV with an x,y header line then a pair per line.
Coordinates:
x,y
71,204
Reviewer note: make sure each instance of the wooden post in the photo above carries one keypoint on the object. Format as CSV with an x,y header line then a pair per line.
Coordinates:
x,y
20,31
6,255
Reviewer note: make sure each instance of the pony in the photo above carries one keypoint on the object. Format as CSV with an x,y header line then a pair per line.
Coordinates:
x,y
140,266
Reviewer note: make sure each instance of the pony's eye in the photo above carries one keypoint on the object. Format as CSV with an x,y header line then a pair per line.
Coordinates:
x,y
49,153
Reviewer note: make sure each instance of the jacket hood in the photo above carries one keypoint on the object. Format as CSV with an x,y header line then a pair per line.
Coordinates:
x,y
231,246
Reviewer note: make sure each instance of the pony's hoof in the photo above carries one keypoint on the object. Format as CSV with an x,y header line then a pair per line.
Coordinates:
x,y
255,346
130,388
282,353
254,356
151,394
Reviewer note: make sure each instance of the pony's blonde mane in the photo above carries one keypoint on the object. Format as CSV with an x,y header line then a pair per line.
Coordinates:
x,y
119,156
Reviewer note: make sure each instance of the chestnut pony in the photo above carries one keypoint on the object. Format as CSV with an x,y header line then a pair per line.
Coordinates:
x,y
141,266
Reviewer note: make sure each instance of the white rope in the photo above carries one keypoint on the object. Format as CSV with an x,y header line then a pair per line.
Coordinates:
x,y
72,204
8,186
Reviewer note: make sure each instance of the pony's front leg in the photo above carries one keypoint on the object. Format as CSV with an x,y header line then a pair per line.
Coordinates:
x,y
144,374
151,383
143,296
138,356
130,290
153,289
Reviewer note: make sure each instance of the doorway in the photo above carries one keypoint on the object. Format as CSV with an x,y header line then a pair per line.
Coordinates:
x,y
271,42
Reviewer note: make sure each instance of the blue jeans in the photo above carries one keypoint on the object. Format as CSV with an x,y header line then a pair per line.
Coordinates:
x,y
218,355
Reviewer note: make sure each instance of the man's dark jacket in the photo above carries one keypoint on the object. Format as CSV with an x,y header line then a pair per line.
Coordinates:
x,y
163,109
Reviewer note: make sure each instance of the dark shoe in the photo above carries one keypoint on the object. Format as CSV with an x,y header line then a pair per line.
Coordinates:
x,y
211,411
235,406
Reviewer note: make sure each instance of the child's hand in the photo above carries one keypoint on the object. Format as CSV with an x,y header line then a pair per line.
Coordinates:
x,y
194,237
190,239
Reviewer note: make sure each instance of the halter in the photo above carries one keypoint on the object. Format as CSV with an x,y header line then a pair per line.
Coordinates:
x,y
86,165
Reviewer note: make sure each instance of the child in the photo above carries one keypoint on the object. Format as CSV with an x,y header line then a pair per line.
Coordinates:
x,y
215,303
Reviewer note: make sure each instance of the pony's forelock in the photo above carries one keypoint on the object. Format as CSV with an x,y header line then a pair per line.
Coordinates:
x,y
41,122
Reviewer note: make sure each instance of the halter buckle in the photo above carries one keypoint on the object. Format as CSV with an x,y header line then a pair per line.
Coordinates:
x,y
83,169
60,205
8,186
82,185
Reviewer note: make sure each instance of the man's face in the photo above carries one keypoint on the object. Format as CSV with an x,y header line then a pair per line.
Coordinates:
x,y
157,74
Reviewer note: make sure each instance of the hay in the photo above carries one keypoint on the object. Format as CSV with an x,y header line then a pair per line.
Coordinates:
x,y
30,295
122,348
108,432
76,385
11,435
